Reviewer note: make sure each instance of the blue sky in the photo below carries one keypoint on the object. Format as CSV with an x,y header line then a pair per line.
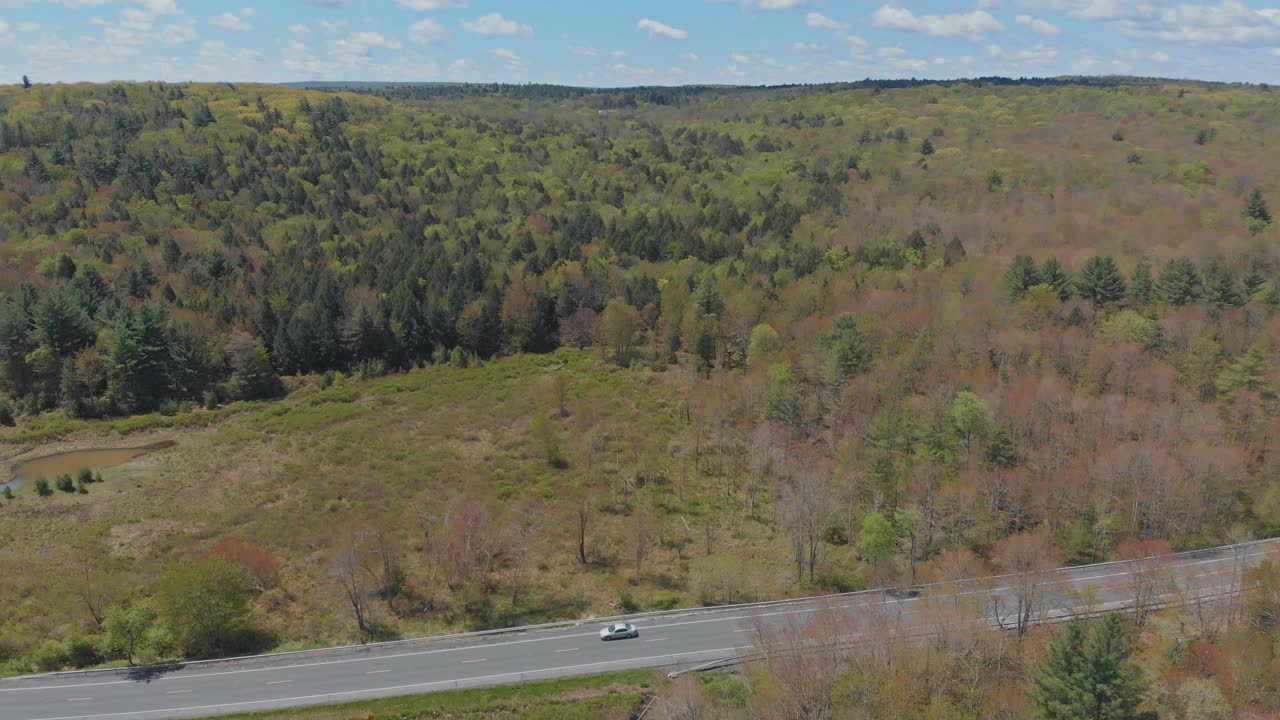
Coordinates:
x,y
631,42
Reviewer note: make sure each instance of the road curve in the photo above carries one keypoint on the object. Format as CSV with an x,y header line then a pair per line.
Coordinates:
x,y
678,640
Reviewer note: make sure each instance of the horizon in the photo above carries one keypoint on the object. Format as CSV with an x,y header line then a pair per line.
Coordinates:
x,y
614,44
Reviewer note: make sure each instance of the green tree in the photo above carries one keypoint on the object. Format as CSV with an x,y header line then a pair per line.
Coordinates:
x,y
971,417
1257,215
780,402
205,605
1021,276
1101,281
1141,286
1250,370
876,540
1087,676
706,299
1053,274
127,628
138,358
619,323
253,378
926,147
849,353
1221,289
1180,283
26,83
42,487
1128,326
764,343
60,323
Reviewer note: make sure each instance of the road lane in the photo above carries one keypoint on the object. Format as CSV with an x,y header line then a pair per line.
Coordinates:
x,y
379,671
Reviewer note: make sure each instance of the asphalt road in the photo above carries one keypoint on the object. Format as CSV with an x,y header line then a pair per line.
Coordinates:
x,y
680,640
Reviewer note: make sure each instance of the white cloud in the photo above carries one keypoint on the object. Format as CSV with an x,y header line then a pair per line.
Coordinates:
x,y
431,5
332,26
160,7
1228,23
806,47
691,56
231,21
617,53
1098,9
1039,25
1275,51
427,32
299,29
506,54
362,44
6,35
909,64
27,26
972,24
583,51
1160,56
656,28
495,24
511,60
822,22
890,52
632,70
740,58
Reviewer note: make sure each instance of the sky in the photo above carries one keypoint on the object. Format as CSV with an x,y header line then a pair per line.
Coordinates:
x,y
634,42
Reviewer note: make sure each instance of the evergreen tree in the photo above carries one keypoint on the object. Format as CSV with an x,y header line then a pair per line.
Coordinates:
x,y
1221,289
138,358
1088,677
707,298
26,83
1052,274
1179,283
1250,370
1021,276
1255,208
1141,287
1255,276
1101,281
849,353
1000,451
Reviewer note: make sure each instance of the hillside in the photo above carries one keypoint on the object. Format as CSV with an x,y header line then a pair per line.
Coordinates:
x,y
761,341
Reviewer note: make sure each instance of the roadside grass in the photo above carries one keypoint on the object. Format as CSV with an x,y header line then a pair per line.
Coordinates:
x,y
613,696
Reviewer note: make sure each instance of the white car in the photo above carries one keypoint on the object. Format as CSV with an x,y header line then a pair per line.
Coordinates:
x,y
619,631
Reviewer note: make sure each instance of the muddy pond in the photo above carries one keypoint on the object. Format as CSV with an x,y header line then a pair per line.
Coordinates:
x,y
72,461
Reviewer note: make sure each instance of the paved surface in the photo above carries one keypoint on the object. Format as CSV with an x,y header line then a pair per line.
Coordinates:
x,y
681,640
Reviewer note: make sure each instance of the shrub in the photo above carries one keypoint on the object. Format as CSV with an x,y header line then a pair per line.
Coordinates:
x,y
628,603
66,484
210,400
664,600
6,414
42,488
7,493
169,408
85,476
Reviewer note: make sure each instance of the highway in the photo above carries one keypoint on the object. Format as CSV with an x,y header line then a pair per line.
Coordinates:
x,y
680,639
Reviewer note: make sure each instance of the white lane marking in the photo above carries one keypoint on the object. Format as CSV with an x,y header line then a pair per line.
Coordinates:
x,y
567,650
468,662
388,689
744,629
816,606
376,672
278,682
656,639
78,699
177,692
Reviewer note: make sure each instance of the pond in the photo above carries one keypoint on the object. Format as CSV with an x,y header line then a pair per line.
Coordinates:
x,y
72,461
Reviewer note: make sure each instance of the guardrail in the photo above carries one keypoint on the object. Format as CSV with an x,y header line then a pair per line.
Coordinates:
x,y
676,612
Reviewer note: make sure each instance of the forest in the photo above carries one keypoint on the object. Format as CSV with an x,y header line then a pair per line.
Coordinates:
x,y
732,342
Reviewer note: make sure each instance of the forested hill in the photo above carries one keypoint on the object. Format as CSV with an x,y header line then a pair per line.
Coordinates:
x,y
173,243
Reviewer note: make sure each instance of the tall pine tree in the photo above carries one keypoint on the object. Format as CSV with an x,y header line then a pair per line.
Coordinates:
x,y
1087,676
1179,283
1101,281
1021,276
1052,274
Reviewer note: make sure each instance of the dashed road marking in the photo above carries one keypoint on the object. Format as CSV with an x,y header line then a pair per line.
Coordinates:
x,y
468,662
278,682
177,692
375,672
567,650
655,639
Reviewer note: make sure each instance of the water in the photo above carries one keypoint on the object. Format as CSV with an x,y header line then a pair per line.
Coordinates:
x,y
72,461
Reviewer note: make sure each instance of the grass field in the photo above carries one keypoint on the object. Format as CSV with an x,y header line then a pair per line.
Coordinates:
x,y
615,696
416,457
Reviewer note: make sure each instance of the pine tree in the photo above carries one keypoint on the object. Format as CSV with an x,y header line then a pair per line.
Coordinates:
x,y
26,83
1052,274
1179,283
1221,289
1101,281
1255,276
1141,287
1088,677
1021,276
1255,208
849,351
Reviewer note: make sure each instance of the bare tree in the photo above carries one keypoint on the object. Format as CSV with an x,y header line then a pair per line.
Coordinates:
x,y
527,529
352,576
1024,557
560,393
1148,575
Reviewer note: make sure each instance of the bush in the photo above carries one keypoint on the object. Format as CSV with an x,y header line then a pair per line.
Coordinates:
x,y
42,488
169,408
210,400
6,414
7,493
85,476
628,603
52,655
82,652
664,600
66,484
